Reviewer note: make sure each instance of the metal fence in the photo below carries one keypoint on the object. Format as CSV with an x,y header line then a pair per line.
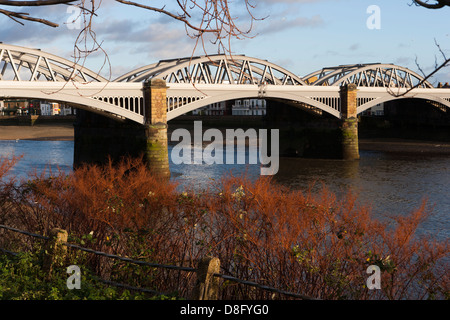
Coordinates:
x,y
207,271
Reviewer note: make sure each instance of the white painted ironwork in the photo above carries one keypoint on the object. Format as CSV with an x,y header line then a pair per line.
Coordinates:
x,y
89,96
214,69
369,97
367,75
24,64
195,82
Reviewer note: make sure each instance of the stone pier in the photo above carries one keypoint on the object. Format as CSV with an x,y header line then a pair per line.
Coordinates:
x,y
313,134
349,125
98,138
156,152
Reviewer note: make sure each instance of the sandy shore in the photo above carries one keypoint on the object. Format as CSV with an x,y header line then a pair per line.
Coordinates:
x,y
37,132
66,132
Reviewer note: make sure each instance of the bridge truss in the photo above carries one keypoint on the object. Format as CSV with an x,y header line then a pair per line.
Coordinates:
x,y
24,64
374,75
195,82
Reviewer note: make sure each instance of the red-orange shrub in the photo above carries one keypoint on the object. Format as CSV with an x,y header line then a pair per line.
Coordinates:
x,y
300,241
316,244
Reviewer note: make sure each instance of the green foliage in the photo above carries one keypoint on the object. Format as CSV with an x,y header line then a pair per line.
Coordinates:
x,y
22,278
385,264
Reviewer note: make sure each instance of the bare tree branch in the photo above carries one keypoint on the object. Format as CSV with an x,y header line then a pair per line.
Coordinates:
x,y
426,77
200,17
176,17
204,20
438,4
36,3
24,16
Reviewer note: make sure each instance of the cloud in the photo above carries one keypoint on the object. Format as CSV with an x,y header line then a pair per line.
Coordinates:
x,y
403,61
127,30
154,39
34,34
281,24
147,39
120,38
130,44
354,47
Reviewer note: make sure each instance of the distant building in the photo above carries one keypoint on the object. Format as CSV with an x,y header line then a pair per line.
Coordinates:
x,y
53,109
215,109
249,107
67,111
35,107
377,110
50,109
245,107
15,106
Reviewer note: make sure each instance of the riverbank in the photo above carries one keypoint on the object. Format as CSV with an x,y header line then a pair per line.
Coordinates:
x,y
405,146
65,132
61,132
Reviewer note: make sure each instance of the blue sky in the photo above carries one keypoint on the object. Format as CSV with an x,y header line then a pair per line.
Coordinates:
x,y
299,35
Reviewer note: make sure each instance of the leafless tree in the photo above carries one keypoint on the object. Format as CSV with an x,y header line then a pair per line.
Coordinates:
x,y
435,4
200,17
18,16
204,20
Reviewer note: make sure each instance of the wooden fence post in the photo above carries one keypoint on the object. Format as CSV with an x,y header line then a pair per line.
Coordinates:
x,y
55,250
207,286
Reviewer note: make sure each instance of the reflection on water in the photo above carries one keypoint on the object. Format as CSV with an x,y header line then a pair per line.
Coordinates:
x,y
38,155
199,175
391,184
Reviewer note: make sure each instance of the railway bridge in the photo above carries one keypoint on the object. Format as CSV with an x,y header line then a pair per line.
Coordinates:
x,y
151,95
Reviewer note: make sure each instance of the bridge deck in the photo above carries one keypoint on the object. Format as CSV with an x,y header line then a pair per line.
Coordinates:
x,y
196,82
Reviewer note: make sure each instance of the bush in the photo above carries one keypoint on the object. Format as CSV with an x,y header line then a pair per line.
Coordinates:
x,y
298,241
21,278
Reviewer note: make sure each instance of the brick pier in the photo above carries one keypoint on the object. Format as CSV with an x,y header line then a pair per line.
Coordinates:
x,y
349,126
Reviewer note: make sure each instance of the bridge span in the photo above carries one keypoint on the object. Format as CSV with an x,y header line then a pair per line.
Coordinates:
x,y
159,92
195,82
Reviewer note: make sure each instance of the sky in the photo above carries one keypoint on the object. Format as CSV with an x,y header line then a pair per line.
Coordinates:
x,y
301,36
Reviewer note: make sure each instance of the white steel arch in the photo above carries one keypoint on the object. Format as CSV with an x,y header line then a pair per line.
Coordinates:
x,y
370,97
214,69
181,98
113,100
367,75
194,82
25,64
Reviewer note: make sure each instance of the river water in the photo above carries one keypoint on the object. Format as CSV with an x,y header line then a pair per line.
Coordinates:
x,y
393,184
